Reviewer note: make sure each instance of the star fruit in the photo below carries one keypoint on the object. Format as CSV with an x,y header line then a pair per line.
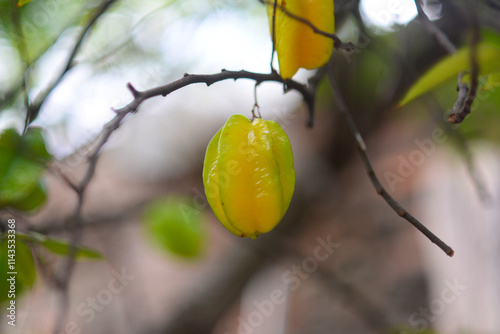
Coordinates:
x,y
248,175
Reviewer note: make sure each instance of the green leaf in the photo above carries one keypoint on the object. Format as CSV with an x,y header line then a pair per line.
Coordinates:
x,y
176,225
60,247
25,263
34,200
9,140
22,161
20,181
488,55
35,145
9,143
24,267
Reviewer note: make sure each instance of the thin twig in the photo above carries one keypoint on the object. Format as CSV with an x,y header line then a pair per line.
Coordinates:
x,y
34,107
466,95
361,147
256,107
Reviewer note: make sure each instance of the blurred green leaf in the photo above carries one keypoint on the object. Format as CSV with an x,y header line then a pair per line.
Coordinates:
x,y
488,54
60,247
35,145
24,266
176,225
9,140
20,181
22,160
32,201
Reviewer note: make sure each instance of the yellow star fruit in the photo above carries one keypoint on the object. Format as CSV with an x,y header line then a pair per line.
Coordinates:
x,y
296,43
248,175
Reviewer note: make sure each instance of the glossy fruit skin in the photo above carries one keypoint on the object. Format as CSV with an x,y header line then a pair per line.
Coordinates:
x,y
248,175
296,43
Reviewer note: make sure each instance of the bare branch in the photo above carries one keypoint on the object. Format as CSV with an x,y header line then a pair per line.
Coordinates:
x,y
210,79
361,147
466,95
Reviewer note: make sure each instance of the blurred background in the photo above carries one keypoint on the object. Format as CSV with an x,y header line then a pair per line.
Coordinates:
x,y
341,261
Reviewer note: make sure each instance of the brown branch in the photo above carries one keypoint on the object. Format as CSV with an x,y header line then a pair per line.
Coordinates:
x,y
466,95
209,79
361,147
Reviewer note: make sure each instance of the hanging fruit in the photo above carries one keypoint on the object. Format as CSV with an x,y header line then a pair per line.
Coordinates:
x,y
296,43
248,175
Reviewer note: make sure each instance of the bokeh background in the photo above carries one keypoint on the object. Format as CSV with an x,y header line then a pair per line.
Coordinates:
x,y
341,261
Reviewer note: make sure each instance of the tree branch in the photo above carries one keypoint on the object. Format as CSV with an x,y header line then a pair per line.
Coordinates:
x,y
361,147
466,95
